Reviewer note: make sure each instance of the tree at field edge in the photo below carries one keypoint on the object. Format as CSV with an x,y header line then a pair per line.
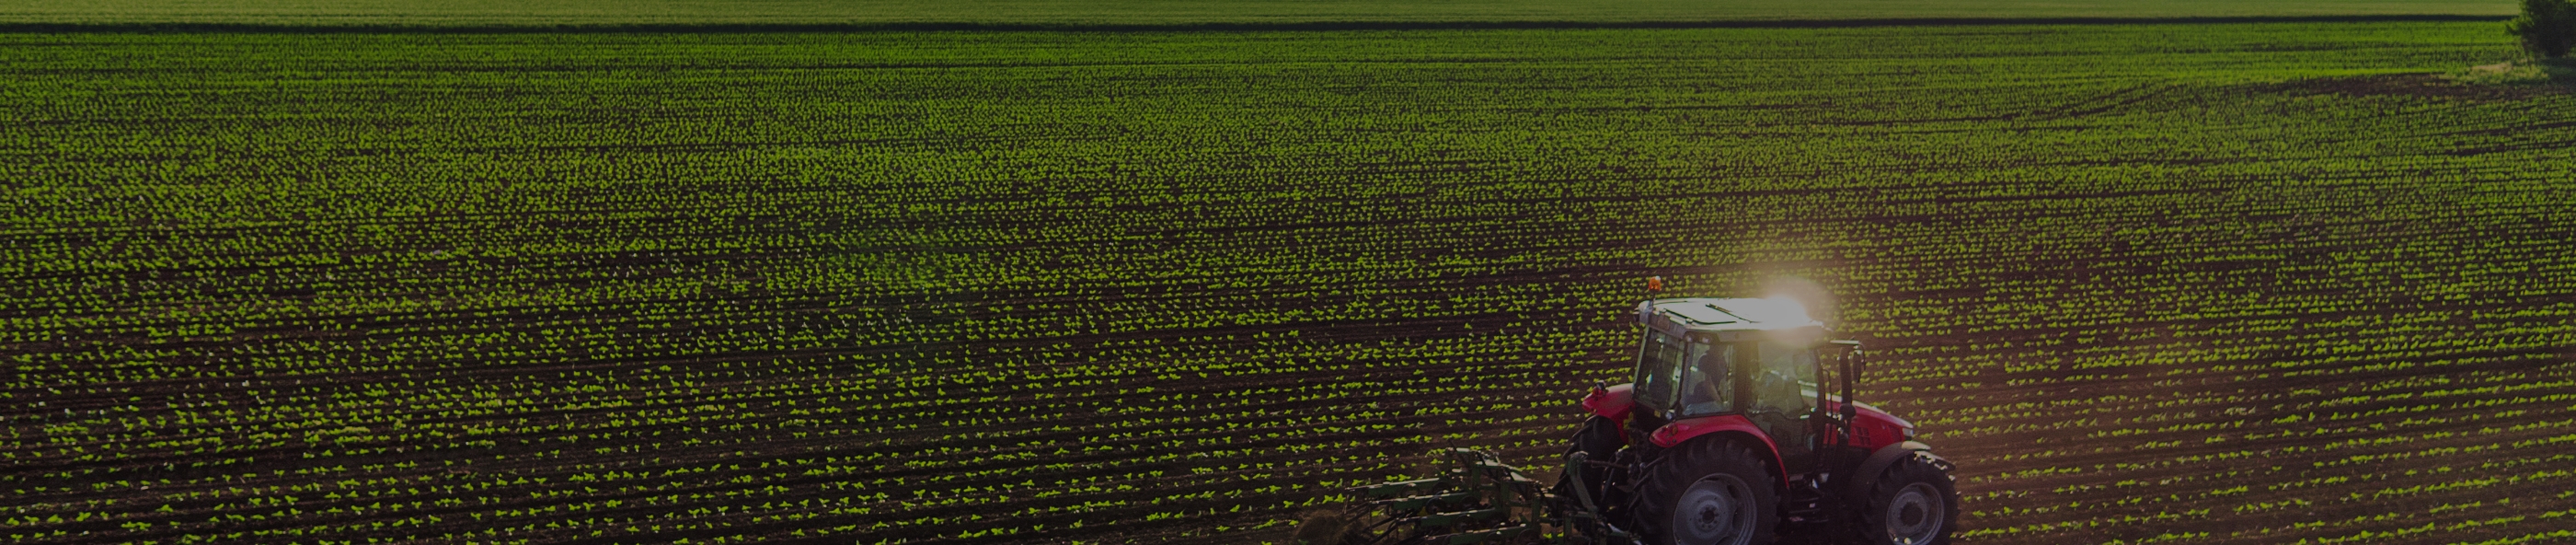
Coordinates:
x,y
2547,27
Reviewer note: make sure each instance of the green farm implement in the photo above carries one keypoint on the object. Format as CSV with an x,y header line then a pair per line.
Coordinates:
x,y
1475,499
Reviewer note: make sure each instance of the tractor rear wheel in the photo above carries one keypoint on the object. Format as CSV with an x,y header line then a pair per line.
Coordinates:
x,y
1912,503
1708,492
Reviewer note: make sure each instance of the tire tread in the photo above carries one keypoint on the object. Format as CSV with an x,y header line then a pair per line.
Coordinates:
x,y
1664,478
1869,510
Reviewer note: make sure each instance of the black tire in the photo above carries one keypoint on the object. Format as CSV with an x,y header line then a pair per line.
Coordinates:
x,y
1707,492
1598,440
1913,503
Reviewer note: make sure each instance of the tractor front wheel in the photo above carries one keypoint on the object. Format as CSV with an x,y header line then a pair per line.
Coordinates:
x,y
1707,493
1913,503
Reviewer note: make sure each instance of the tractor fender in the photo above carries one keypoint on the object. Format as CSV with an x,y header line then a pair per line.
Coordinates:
x,y
1612,402
1725,426
1858,482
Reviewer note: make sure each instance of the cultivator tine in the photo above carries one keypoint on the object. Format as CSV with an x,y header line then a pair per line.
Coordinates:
x,y
1375,532
1477,468
1419,502
1399,488
1481,536
1444,520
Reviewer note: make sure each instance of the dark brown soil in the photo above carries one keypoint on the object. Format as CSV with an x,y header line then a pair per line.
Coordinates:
x,y
2424,86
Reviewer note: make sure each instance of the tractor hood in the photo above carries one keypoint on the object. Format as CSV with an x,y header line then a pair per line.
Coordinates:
x,y
1867,413
1873,428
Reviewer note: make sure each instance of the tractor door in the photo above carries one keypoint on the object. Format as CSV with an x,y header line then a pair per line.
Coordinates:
x,y
1784,391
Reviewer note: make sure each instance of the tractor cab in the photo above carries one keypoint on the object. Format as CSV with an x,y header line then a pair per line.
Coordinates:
x,y
1705,357
1769,379
1758,360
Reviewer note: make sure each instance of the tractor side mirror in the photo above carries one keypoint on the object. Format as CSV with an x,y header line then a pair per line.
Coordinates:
x,y
1851,379
1851,355
1859,364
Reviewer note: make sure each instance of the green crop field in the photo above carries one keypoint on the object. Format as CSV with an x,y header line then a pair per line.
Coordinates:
x,y
2213,283
446,13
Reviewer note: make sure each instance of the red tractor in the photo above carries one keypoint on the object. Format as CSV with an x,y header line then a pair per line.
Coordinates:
x,y
1726,436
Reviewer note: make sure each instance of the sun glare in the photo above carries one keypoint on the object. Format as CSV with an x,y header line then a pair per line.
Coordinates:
x,y
1790,307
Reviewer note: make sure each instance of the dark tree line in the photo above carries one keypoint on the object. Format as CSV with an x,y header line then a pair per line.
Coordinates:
x,y
2547,27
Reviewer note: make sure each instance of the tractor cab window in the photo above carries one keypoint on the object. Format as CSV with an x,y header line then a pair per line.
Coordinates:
x,y
1786,379
1687,376
1658,370
1710,385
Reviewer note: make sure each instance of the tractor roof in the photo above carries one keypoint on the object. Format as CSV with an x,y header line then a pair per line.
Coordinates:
x,y
1715,315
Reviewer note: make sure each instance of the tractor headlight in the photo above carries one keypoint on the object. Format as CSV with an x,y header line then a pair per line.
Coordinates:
x,y
1907,433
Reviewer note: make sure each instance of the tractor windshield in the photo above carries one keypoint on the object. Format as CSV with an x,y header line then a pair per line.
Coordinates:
x,y
1689,377
1787,381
